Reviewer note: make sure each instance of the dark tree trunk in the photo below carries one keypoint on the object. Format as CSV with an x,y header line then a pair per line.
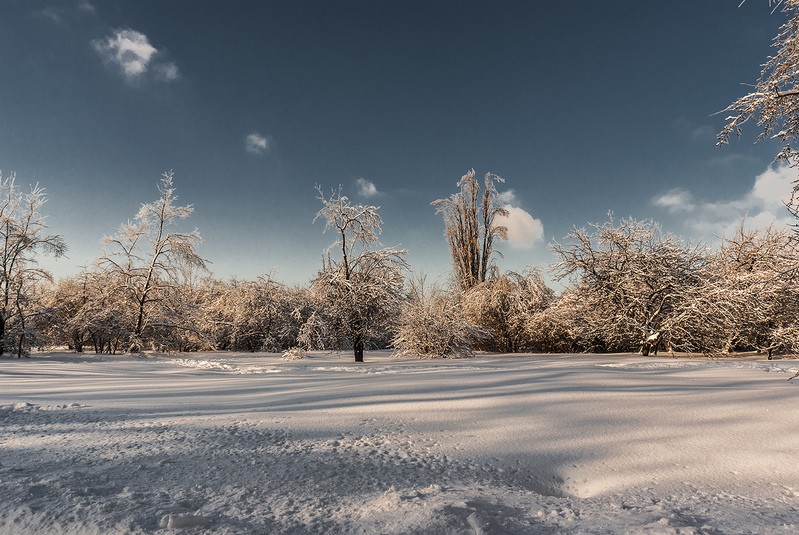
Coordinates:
x,y
21,340
358,348
77,343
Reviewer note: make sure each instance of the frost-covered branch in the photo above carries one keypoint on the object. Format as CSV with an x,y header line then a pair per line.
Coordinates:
x,y
773,105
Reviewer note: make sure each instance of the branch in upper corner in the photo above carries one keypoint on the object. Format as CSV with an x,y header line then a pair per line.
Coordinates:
x,y
790,92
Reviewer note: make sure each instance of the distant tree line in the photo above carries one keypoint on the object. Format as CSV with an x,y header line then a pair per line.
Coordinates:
x,y
629,286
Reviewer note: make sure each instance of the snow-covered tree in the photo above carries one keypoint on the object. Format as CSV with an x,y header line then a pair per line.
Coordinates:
x,y
257,315
758,273
250,315
89,309
469,227
148,258
180,320
560,327
22,238
774,102
432,324
502,306
631,278
359,287
64,302
774,105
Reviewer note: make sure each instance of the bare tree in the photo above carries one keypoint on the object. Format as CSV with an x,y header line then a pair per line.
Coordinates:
x,y
360,287
149,258
22,233
469,227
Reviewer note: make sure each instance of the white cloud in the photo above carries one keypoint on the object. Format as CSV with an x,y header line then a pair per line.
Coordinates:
x,y
133,54
366,188
255,143
508,197
774,186
761,206
128,49
523,229
675,201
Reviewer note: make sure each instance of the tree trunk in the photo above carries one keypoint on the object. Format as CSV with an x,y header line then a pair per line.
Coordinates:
x,y
77,342
21,346
21,341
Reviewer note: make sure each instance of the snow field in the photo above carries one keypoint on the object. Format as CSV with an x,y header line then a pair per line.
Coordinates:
x,y
215,443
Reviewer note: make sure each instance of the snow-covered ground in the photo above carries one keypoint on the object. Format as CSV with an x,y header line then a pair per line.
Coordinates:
x,y
232,443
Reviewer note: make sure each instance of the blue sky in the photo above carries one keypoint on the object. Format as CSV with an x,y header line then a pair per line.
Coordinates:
x,y
584,108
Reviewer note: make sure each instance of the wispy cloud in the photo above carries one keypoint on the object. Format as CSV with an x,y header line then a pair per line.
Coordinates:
x,y
166,72
63,13
87,7
366,188
133,54
675,201
524,230
761,206
255,143
731,160
694,132
508,197
51,13
702,134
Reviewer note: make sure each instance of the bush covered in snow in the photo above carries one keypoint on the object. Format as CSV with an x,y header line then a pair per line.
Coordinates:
x,y
501,307
432,324
295,353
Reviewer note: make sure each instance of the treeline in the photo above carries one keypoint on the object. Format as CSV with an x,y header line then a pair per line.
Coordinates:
x,y
630,286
